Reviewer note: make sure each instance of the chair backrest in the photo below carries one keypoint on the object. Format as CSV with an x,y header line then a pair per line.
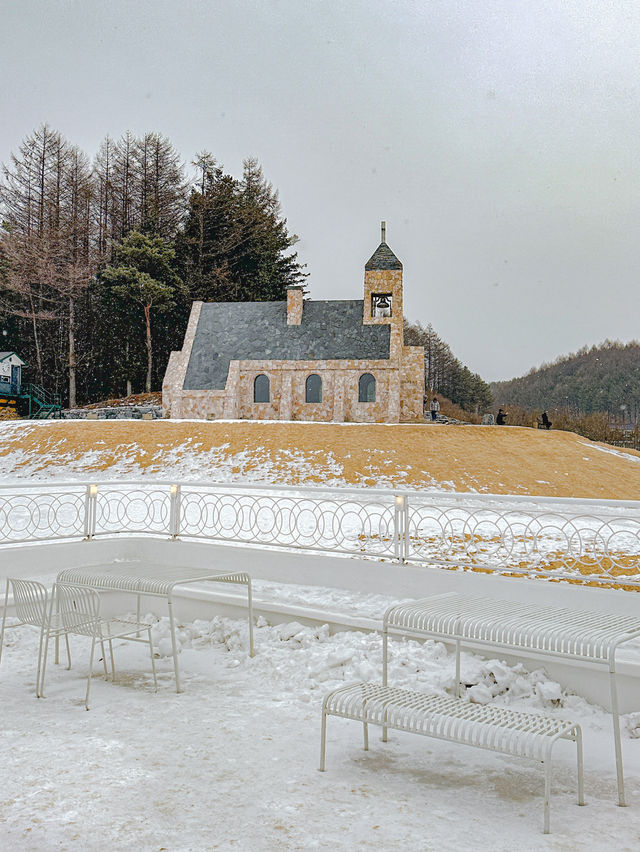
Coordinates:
x,y
30,599
79,609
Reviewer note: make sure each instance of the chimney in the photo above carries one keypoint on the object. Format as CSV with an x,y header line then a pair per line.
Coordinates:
x,y
295,296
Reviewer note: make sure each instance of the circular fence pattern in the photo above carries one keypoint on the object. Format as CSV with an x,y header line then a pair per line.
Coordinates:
x,y
38,517
440,529
282,520
545,542
135,510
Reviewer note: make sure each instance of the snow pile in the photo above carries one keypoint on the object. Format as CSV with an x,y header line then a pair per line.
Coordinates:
x,y
311,659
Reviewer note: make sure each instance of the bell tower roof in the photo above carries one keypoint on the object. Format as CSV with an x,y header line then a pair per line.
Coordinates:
x,y
383,257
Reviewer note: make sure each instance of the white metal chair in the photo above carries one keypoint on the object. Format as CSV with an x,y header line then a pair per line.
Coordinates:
x,y
78,608
33,606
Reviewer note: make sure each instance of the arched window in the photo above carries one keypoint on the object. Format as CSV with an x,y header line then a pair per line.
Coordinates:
x,y
367,388
313,389
261,389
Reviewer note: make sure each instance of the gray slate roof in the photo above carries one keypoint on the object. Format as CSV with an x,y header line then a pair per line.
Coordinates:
x,y
250,331
383,258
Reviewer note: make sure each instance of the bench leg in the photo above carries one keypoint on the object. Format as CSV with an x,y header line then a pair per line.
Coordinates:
x,y
385,672
457,668
250,608
323,740
365,728
580,766
547,795
385,649
616,733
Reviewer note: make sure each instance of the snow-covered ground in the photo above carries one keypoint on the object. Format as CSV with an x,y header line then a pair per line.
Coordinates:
x,y
232,762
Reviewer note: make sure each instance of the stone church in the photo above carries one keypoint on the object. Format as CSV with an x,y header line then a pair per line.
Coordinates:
x,y
341,361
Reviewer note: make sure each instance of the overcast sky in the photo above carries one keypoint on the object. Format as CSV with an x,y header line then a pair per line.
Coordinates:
x,y
500,140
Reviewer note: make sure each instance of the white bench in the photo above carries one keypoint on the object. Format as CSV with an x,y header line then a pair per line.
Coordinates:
x,y
500,729
589,636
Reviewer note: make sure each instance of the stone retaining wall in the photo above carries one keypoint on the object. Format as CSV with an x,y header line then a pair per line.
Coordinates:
x,y
123,412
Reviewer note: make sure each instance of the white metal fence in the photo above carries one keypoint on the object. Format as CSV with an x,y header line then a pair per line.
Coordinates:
x,y
581,539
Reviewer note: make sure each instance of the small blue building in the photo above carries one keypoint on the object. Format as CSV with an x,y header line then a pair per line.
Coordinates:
x,y
11,365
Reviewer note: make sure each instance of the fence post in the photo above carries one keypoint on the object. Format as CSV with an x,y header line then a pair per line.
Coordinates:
x,y
406,538
174,515
400,527
90,501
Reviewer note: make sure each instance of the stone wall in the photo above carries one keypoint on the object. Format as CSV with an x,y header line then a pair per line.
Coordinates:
x,y
115,412
412,383
173,396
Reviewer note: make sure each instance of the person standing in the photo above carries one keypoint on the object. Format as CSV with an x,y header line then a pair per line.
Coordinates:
x,y
501,417
434,407
546,423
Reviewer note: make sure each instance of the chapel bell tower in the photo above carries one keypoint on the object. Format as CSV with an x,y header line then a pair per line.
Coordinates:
x,y
383,290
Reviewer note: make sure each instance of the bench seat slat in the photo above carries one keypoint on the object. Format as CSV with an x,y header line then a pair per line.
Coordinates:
x,y
485,726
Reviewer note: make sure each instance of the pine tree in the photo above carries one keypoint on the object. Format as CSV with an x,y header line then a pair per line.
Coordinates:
x,y
141,275
235,245
445,374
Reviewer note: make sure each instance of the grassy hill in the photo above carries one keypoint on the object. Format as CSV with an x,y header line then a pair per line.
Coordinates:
x,y
500,460
602,378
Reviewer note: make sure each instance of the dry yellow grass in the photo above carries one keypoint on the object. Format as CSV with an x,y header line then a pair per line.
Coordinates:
x,y
499,460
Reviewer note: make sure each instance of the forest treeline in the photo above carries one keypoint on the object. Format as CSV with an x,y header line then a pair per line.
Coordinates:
x,y
100,259
604,378
446,375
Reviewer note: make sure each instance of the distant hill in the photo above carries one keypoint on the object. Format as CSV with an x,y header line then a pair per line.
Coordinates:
x,y
603,378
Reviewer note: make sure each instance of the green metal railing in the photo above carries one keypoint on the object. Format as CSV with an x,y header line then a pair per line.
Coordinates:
x,y
42,403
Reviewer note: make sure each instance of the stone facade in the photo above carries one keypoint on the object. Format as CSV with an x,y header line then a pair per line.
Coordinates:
x,y
192,386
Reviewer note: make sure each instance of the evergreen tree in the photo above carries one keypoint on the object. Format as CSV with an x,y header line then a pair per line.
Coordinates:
x,y
141,275
64,219
235,245
445,374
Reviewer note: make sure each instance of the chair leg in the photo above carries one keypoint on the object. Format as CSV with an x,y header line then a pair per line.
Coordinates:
x,y
43,632
66,636
44,664
4,618
93,649
153,662
113,661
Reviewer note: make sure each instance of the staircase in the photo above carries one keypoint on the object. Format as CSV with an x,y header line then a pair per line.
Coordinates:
x,y
42,403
